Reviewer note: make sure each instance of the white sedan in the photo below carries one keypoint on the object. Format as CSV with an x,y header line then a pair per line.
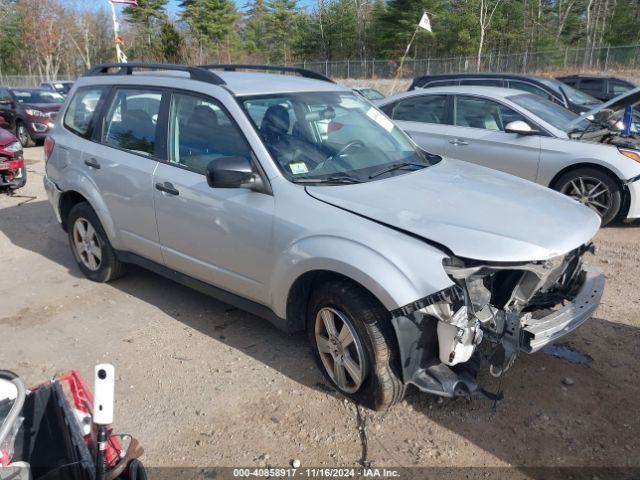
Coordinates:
x,y
525,135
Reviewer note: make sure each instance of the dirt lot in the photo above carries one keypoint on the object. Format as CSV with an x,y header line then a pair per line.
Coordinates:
x,y
203,384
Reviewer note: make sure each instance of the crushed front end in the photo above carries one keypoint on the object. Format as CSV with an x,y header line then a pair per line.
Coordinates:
x,y
12,167
493,311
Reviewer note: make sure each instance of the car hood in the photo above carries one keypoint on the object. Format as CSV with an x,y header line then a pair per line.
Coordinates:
x,y
617,104
474,212
6,137
43,107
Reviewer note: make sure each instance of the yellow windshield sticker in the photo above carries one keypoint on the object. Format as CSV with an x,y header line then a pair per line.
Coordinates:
x,y
298,168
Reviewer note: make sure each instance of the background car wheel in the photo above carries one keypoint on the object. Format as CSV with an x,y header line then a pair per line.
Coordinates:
x,y
353,344
90,245
23,135
595,189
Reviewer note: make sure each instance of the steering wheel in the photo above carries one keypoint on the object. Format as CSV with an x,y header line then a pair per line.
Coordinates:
x,y
353,143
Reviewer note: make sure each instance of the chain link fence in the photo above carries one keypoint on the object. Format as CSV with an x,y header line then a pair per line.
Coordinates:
x,y
607,58
612,58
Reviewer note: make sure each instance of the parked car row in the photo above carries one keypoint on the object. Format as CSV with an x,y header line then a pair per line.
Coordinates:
x,y
298,200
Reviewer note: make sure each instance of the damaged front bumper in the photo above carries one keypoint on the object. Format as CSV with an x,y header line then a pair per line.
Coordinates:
x,y
508,308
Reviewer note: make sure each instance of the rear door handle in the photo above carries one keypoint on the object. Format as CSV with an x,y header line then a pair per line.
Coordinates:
x,y
93,163
167,187
458,141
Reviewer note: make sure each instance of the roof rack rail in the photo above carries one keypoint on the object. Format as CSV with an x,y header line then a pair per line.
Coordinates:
x,y
232,67
195,73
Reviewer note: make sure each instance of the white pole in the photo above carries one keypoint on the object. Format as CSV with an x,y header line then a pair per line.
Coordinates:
x,y
119,58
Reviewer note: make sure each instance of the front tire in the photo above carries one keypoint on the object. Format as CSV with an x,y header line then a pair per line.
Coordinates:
x,y
90,246
24,137
595,189
353,344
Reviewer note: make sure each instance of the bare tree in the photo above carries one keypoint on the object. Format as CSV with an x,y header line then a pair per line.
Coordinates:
x,y
486,15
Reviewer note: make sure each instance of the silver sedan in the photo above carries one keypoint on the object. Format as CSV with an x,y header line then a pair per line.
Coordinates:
x,y
525,135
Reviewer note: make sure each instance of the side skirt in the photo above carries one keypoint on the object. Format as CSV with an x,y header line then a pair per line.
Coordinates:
x,y
237,301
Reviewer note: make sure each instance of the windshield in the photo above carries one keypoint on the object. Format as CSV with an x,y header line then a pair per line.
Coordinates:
x,y
330,135
38,96
550,112
574,96
577,97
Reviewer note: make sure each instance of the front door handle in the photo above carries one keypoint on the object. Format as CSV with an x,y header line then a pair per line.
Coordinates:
x,y
458,141
167,187
93,163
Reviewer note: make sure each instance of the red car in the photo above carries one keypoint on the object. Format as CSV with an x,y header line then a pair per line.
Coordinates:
x,y
13,173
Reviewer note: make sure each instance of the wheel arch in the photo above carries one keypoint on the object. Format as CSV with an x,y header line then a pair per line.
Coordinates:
x,y
300,295
577,166
73,196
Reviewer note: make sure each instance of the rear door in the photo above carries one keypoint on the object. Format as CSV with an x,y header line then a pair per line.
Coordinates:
x,y
424,118
221,236
478,136
121,162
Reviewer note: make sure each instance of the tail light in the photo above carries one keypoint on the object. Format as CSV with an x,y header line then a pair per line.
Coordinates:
x,y
49,143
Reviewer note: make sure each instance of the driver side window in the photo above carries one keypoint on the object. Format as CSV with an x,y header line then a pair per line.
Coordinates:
x,y
482,113
200,131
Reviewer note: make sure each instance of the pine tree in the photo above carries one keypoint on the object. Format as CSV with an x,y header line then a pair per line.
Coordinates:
x,y
281,28
170,44
255,28
211,21
146,15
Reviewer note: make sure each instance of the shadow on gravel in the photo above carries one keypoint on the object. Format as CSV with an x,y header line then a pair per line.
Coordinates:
x,y
32,226
554,412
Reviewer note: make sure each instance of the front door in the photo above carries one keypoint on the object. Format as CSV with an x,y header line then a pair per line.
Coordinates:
x,y
478,136
222,236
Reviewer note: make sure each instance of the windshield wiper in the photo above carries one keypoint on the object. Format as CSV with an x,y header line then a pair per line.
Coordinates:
x,y
342,179
396,166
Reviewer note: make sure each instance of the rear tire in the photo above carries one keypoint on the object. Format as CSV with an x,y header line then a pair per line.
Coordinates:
x,y
367,345
595,189
90,246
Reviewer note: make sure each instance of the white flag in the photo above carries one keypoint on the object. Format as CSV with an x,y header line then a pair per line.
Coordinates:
x,y
425,22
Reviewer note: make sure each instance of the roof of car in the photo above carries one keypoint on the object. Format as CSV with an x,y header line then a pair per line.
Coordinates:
x,y
250,83
238,83
493,92
480,75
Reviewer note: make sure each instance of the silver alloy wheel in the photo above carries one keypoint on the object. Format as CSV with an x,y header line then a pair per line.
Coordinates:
x,y
340,351
86,244
590,192
23,135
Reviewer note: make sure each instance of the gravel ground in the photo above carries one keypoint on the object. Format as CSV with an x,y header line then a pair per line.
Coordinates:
x,y
200,383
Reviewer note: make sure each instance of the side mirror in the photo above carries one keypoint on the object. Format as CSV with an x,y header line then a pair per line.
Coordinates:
x,y
519,127
233,172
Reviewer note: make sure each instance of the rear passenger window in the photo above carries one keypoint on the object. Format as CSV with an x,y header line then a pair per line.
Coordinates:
x,y
82,108
131,120
200,132
424,109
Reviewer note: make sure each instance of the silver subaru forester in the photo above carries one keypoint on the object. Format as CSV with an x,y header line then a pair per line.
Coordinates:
x,y
296,199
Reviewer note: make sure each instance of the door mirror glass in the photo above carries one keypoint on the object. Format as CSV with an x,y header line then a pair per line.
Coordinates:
x,y
232,172
519,127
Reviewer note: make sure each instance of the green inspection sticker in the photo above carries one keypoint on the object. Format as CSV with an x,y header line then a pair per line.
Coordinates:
x,y
298,168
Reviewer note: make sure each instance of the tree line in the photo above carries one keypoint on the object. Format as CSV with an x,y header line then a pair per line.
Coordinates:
x,y
54,37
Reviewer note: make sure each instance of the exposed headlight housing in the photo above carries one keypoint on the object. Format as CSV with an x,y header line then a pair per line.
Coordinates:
x,y
13,147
